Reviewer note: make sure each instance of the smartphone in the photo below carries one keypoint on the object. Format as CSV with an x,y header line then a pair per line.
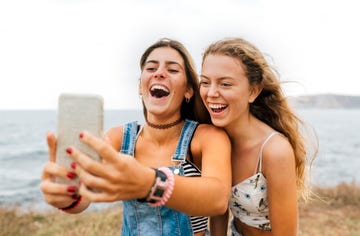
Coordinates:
x,y
76,113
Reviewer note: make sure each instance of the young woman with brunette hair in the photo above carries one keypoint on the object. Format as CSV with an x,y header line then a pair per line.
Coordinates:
x,y
170,173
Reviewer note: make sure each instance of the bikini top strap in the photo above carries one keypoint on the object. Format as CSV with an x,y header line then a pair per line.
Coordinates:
x,y
259,165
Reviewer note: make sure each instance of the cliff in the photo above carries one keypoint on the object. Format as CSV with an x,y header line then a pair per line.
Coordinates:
x,y
326,101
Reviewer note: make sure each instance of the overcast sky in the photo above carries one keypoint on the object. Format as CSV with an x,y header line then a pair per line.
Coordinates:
x,y
93,46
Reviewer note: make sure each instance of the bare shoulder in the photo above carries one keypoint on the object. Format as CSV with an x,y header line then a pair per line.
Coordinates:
x,y
209,137
210,132
278,153
114,135
211,149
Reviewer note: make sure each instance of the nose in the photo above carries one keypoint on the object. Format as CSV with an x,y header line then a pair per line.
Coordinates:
x,y
160,72
213,91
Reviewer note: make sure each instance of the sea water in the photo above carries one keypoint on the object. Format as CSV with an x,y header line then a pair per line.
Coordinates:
x,y
23,149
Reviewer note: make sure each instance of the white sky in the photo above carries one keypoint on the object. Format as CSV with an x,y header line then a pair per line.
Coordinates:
x,y
93,46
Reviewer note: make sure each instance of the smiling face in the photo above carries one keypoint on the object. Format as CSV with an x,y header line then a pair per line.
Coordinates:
x,y
225,89
163,83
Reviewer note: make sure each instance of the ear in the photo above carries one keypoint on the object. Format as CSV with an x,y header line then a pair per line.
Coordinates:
x,y
189,92
255,90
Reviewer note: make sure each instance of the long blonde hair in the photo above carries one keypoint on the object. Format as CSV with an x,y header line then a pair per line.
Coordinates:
x,y
271,106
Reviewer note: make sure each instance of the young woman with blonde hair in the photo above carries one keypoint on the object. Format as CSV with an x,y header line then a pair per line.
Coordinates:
x,y
243,95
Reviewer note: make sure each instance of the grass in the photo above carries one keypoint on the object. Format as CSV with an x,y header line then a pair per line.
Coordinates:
x,y
94,223
336,211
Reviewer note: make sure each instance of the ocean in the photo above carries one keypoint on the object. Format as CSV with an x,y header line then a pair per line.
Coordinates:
x,y
23,149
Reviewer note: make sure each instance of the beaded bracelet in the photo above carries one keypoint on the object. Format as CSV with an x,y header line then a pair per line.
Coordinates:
x,y
163,187
73,205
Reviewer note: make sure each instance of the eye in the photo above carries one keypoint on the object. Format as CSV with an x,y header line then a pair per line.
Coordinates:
x,y
173,71
150,69
224,84
204,83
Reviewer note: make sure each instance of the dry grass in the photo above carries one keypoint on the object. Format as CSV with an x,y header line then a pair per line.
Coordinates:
x,y
336,211
105,223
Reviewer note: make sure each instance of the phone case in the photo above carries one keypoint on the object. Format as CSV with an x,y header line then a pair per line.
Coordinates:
x,y
77,113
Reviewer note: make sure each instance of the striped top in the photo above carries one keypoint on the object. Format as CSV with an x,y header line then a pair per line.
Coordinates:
x,y
198,223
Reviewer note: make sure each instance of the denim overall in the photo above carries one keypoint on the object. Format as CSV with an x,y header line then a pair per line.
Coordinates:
x,y
138,217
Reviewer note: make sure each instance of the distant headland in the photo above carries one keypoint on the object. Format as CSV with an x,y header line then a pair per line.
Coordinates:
x,y
326,101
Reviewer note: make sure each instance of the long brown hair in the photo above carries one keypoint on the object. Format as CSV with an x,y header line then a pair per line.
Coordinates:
x,y
194,109
271,106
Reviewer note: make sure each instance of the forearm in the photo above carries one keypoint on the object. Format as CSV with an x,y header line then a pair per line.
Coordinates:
x,y
199,196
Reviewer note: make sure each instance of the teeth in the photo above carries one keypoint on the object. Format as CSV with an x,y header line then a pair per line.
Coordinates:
x,y
217,106
159,87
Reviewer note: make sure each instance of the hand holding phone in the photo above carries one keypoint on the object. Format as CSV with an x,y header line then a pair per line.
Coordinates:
x,y
76,113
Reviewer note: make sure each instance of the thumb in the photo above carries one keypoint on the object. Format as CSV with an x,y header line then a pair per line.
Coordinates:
x,y
52,143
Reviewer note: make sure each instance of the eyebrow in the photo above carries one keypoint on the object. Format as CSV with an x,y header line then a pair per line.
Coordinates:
x,y
166,62
204,76
220,78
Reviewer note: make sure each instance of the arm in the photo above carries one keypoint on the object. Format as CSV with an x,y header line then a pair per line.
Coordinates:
x,y
208,194
279,168
121,177
219,224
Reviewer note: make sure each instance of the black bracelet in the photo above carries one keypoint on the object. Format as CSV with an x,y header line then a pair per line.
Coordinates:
x,y
144,199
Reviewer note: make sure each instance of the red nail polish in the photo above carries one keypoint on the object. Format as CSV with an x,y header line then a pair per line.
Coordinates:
x,y
71,175
73,165
69,150
81,135
72,189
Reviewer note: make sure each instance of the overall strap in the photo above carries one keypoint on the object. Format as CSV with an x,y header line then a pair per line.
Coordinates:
x,y
261,150
187,133
129,138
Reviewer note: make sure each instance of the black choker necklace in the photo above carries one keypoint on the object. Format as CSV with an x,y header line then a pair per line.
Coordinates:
x,y
165,126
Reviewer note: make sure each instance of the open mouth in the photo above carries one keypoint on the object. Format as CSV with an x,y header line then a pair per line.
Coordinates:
x,y
217,108
159,91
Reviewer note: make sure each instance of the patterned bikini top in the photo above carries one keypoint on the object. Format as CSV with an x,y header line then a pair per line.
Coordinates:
x,y
249,201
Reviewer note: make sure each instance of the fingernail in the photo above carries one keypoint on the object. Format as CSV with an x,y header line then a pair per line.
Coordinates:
x,y
81,135
69,150
72,189
71,175
73,165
